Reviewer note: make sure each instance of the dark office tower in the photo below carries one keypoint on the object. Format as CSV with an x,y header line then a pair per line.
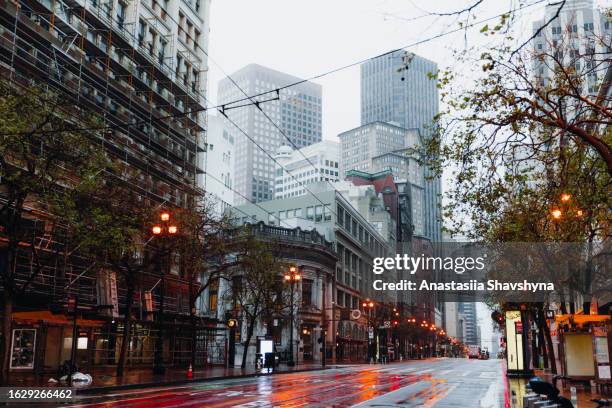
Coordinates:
x,y
398,88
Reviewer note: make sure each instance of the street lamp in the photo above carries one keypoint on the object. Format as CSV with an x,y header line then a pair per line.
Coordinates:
x,y
369,305
163,230
292,277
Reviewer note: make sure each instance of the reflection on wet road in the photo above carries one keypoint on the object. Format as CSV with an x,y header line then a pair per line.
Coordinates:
x,y
425,383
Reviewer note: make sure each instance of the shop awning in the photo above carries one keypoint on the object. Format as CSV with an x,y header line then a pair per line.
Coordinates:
x,y
581,318
50,318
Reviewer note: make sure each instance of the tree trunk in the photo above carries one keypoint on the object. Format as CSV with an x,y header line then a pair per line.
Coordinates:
x,y
6,335
245,352
535,356
549,343
127,325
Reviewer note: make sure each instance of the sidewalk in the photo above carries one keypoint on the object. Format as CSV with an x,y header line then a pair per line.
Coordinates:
x,y
516,389
104,379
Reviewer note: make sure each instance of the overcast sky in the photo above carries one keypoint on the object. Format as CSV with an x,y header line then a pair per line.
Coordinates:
x,y
305,38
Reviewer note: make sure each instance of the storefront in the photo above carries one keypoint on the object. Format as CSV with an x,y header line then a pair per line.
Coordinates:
x,y
42,341
584,346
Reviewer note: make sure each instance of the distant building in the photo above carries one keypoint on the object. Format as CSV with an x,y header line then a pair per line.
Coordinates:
x,y
399,88
297,113
467,310
219,166
361,148
579,30
296,170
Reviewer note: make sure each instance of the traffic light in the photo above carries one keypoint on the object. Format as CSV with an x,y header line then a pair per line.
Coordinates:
x,y
498,318
232,323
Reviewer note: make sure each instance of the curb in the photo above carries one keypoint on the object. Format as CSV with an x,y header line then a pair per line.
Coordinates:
x,y
105,389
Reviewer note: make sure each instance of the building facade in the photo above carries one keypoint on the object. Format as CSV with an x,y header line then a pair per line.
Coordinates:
x,y
132,63
399,88
217,180
298,113
362,147
337,215
579,30
315,260
467,311
296,170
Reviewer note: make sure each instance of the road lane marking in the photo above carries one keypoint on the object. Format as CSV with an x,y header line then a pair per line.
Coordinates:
x,y
488,374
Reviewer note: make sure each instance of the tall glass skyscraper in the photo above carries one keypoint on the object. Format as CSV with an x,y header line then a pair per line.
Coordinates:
x,y
297,113
398,88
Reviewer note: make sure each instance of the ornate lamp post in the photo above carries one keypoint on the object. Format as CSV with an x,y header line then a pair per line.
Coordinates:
x,y
369,305
292,277
163,231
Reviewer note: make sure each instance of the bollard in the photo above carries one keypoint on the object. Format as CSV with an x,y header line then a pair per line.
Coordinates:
x,y
574,397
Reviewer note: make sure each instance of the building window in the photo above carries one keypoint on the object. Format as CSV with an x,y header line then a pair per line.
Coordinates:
x,y
318,213
213,295
327,213
310,213
306,292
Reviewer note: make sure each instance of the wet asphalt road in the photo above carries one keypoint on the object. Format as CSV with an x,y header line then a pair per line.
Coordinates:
x,y
424,383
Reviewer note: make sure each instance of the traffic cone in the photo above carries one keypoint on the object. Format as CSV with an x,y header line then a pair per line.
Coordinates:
x,y
190,372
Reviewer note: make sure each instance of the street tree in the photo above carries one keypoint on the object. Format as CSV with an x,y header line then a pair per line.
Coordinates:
x,y
525,108
111,219
40,159
573,207
210,249
257,288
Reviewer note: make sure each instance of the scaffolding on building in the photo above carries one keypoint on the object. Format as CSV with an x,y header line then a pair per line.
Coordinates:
x,y
152,119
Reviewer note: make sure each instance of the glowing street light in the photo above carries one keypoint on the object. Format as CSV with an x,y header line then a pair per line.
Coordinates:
x,y
292,276
556,214
565,197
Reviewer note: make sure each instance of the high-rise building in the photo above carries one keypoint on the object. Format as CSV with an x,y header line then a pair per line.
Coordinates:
x,y
130,64
217,180
295,170
399,88
467,310
578,31
297,112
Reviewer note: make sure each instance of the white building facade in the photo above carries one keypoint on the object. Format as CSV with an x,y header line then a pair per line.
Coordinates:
x,y
579,31
296,170
217,180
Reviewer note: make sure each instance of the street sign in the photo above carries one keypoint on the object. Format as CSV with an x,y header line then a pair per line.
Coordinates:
x,y
370,329
371,335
